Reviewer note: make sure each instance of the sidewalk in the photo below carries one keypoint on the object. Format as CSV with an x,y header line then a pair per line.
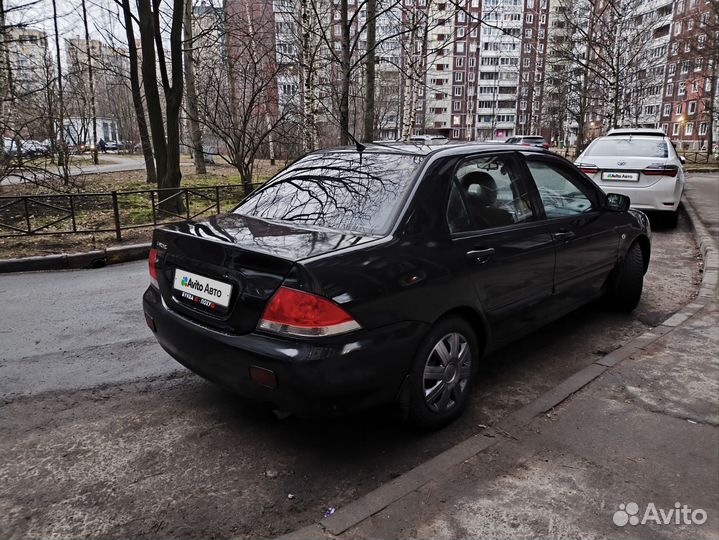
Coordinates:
x,y
644,434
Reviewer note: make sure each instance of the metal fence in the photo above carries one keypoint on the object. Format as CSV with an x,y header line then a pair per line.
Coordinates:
x,y
113,212
697,157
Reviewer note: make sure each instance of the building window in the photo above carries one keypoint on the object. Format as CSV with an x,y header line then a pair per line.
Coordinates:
x,y
685,66
528,33
523,105
670,89
460,32
667,110
675,129
460,48
682,89
455,134
702,128
459,62
672,69
456,106
458,91
692,107
529,18
677,28
665,128
674,49
678,110
689,129
459,76
695,85
698,64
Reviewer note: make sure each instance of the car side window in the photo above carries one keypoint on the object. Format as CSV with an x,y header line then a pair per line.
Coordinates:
x,y
561,194
492,190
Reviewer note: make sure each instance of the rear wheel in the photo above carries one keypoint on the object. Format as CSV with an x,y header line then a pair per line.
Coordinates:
x,y
671,219
443,373
628,281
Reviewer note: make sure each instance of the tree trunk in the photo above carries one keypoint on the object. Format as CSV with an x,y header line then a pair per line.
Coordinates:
x,y
93,146
345,72
369,109
151,174
308,72
192,113
62,154
165,130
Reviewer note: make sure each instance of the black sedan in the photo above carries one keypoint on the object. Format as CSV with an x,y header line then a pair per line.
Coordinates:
x,y
364,276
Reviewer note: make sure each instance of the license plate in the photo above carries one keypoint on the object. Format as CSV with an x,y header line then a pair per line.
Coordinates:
x,y
626,176
203,290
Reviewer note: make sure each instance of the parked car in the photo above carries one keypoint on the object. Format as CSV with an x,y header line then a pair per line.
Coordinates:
x,y
32,148
641,164
529,140
430,140
114,146
354,279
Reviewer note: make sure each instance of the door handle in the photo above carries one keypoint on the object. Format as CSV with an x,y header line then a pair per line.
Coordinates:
x,y
480,255
564,235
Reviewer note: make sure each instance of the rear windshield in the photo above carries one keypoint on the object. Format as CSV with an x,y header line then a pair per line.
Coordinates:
x,y
532,139
343,190
628,147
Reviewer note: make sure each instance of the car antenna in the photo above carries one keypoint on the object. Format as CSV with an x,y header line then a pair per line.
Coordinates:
x,y
360,147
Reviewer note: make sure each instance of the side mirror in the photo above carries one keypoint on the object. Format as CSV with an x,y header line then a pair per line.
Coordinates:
x,y
617,202
682,160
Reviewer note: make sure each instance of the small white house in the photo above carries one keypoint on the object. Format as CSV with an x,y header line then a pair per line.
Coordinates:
x,y
78,130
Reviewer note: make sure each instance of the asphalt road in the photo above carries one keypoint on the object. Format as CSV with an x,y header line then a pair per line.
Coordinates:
x,y
103,435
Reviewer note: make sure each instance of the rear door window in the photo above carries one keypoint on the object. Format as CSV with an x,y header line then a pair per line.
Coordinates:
x,y
489,191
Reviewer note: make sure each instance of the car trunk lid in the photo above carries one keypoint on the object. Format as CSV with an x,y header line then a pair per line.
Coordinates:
x,y
221,272
626,171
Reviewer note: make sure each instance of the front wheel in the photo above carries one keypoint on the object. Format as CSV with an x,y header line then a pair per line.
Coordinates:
x,y
443,373
628,281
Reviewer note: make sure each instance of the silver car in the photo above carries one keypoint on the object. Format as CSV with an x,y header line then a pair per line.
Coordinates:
x,y
639,163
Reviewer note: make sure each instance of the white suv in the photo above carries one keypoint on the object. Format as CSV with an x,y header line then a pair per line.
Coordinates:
x,y
639,163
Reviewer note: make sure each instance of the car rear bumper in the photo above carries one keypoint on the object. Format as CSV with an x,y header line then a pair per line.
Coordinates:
x,y
664,195
314,378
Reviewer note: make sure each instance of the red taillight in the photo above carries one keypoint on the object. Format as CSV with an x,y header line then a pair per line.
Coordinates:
x,y
588,169
299,313
545,146
667,170
152,260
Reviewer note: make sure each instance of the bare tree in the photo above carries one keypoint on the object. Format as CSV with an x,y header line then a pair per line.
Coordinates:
x,y
238,104
191,92
165,128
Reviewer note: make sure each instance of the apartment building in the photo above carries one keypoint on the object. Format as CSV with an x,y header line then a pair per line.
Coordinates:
x,y
691,75
530,107
28,59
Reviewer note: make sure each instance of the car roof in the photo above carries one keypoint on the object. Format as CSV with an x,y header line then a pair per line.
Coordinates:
x,y
636,131
452,149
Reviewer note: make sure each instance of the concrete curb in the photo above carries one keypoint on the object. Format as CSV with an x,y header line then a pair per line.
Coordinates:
x,y
710,255
366,506
87,259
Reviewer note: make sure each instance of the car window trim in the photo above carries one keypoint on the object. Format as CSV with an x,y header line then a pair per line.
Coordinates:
x,y
523,185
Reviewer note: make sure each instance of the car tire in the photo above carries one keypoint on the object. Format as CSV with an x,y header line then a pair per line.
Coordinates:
x,y
626,287
443,373
671,219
